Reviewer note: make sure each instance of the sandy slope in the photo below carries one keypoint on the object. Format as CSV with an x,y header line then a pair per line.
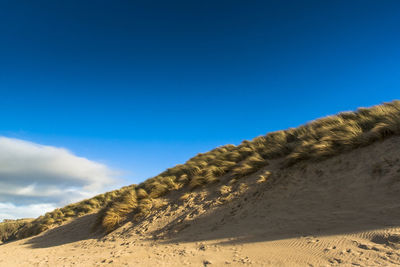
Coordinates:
x,y
340,211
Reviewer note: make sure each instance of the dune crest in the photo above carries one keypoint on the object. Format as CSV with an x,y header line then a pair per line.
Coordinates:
x,y
324,194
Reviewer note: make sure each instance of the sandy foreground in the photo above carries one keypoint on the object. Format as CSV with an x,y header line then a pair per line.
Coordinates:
x,y
340,211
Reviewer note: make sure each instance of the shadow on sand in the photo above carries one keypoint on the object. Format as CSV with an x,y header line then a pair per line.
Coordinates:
x,y
256,218
322,206
76,230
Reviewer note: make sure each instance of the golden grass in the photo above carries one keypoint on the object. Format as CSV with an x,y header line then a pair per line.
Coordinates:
x,y
263,177
315,140
9,229
58,216
119,210
141,193
185,196
225,189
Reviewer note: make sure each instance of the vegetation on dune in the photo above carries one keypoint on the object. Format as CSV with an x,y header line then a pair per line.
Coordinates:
x,y
58,216
10,228
316,140
118,210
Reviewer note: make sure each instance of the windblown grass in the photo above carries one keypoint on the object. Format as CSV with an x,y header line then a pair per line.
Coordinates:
x,y
58,216
119,209
315,140
9,229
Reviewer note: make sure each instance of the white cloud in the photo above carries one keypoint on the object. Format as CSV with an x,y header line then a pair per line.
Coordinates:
x,y
10,211
35,178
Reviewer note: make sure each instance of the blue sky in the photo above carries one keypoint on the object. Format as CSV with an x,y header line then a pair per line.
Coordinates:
x,y
143,85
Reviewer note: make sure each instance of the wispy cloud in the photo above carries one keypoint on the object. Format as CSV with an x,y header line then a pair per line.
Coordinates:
x,y
35,178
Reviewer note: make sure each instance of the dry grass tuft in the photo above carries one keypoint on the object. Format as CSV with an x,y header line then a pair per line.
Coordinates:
x,y
119,210
9,229
225,190
141,193
144,207
251,164
185,197
208,176
263,177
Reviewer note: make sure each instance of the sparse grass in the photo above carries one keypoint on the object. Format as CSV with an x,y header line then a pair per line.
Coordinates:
x,y
263,177
232,181
316,140
184,197
225,189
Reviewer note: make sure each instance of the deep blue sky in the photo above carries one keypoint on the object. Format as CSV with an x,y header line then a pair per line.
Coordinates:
x,y
144,85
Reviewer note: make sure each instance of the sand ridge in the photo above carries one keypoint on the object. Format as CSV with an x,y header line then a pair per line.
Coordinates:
x,y
339,211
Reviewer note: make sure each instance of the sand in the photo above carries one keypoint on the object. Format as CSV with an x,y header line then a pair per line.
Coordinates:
x,y
340,211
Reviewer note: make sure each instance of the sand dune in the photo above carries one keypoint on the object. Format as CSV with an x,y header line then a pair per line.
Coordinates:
x,y
340,211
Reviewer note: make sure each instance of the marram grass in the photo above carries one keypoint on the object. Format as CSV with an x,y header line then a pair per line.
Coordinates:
x,y
315,140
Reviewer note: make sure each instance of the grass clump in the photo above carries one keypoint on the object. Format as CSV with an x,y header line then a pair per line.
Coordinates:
x,y
225,189
119,210
204,178
263,177
10,228
248,166
141,193
185,197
